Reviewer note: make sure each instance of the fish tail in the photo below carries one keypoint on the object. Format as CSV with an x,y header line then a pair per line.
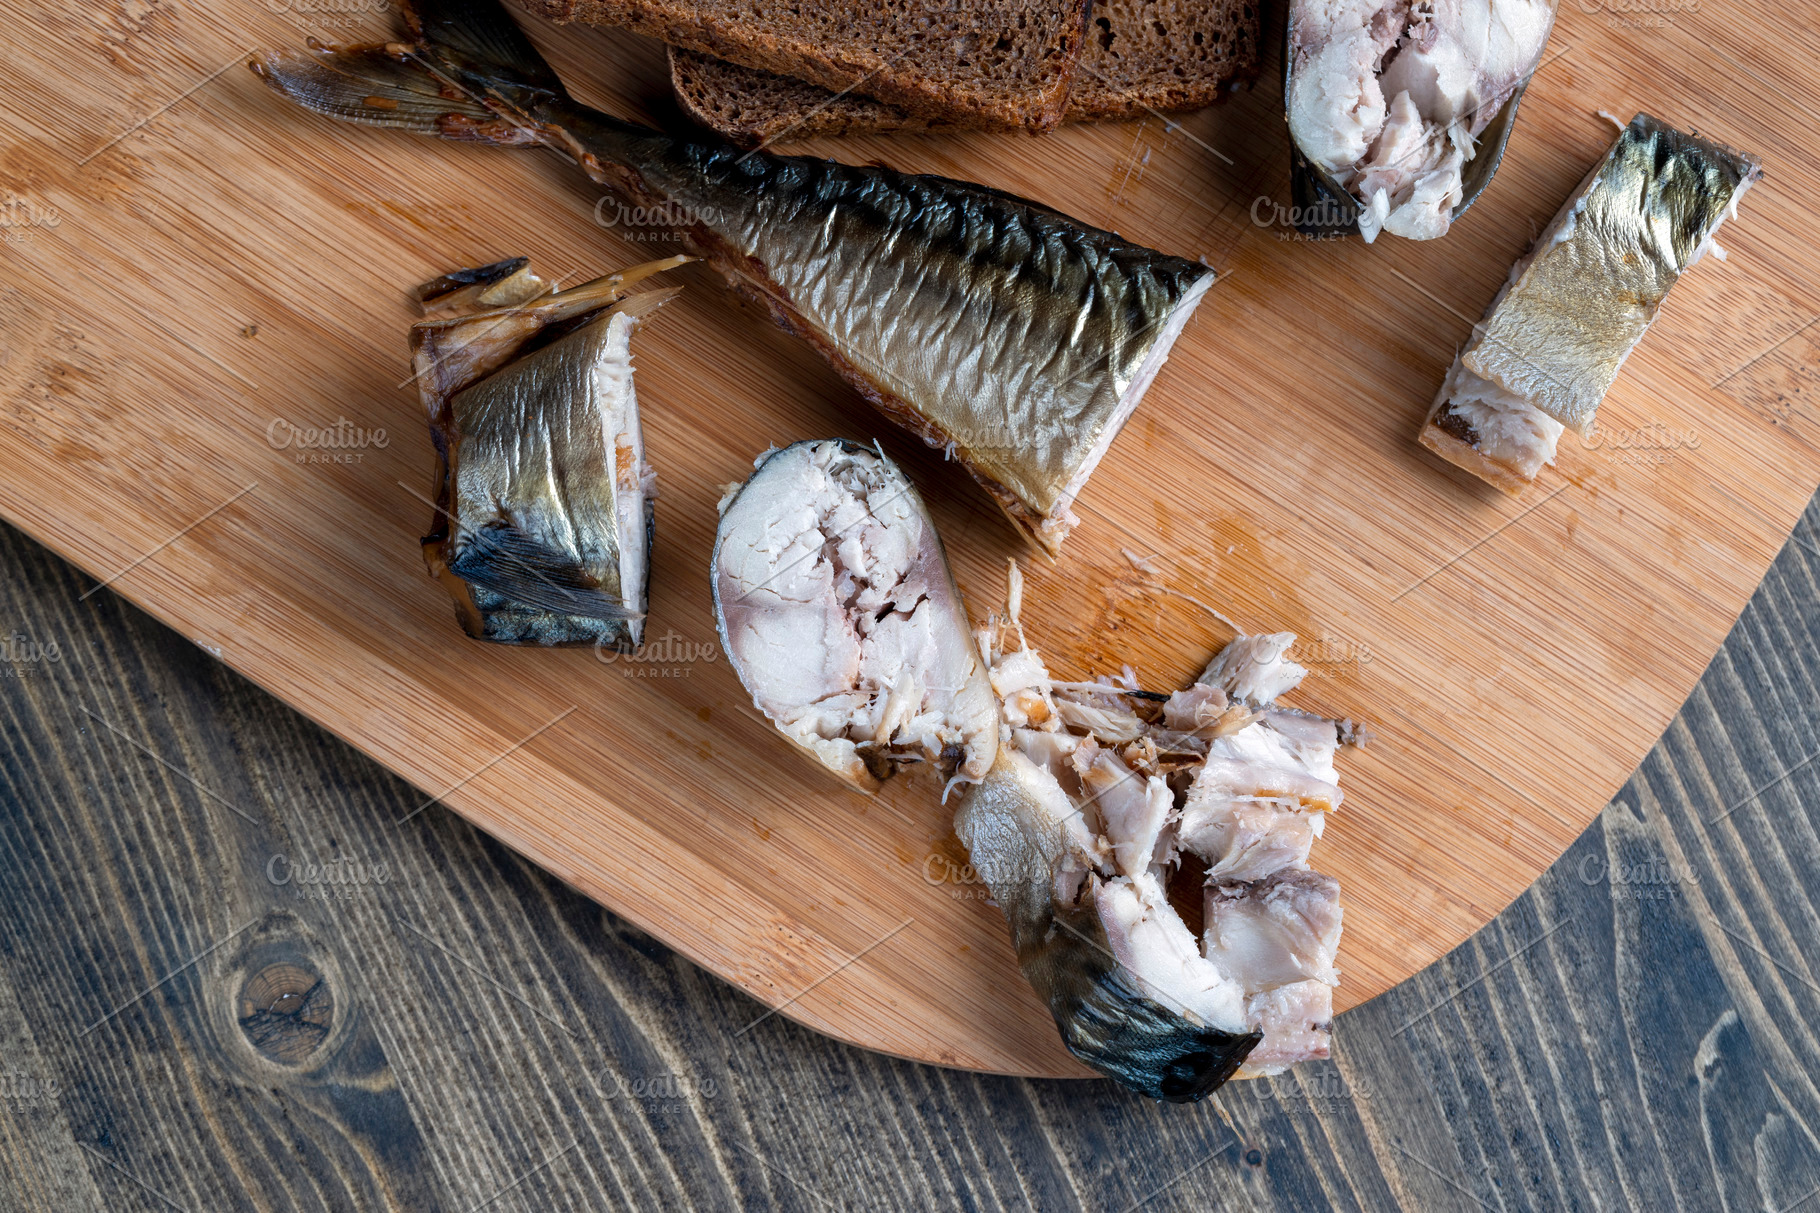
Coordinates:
x,y
469,73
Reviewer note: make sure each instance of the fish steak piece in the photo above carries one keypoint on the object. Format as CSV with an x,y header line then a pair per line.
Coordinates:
x,y
1387,101
1555,337
838,611
1022,832
1015,338
1279,937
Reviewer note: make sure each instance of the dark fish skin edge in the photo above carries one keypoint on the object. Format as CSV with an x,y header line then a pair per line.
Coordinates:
x,y
486,614
1107,1023
1103,1017
1073,310
1695,178
469,277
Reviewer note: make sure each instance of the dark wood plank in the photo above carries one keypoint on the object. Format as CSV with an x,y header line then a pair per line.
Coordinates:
x,y
186,1022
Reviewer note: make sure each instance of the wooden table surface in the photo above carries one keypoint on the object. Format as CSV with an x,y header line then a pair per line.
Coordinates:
x,y
193,1017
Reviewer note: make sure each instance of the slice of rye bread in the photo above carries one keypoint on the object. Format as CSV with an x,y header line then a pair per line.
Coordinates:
x,y
997,63
751,107
1143,56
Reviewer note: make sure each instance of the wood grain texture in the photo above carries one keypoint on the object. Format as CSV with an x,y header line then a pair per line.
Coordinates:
x,y
221,263
1635,1032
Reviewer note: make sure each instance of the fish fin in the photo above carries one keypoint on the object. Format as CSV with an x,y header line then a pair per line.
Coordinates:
x,y
472,75
370,85
477,275
611,287
502,558
503,283
644,303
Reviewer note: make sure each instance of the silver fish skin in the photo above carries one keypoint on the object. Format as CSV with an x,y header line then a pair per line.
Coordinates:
x,y
837,610
1012,336
1575,308
544,500
552,536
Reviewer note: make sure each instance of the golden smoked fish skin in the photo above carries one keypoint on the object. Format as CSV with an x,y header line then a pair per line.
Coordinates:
x,y
544,520
547,543
986,325
1011,335
1563,328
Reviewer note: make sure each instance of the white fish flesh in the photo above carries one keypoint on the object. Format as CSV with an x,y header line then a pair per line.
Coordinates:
x,y
837,610
1388,98
1096,795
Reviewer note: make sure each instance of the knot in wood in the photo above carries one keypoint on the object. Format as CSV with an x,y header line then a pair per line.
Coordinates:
x,y
286,1011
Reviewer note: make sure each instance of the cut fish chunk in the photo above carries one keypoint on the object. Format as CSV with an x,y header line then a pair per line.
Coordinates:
x,y
544,499
838,612
1150,940
1077,830
1554,339
1279,937
1387,99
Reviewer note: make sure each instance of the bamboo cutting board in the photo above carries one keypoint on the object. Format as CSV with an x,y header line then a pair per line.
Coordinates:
x,y
195,273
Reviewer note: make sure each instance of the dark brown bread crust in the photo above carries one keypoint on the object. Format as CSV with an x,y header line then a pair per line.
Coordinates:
x,y
991,63
1143,56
